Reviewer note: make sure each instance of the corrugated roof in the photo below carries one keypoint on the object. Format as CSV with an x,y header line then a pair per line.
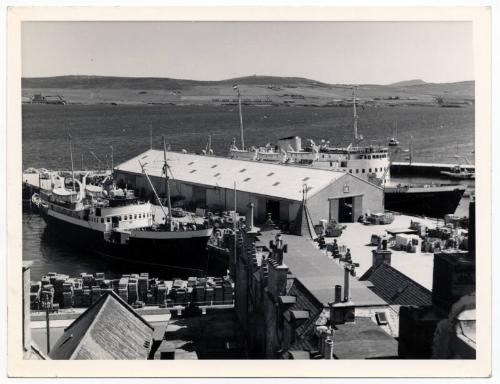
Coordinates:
x,y
108,330
277,180
395,287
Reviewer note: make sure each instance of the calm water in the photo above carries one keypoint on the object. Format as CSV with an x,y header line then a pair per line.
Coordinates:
x,y
439,134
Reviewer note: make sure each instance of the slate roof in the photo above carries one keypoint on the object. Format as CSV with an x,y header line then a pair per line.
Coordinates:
x,y
395,287
260,178
108,330
363,339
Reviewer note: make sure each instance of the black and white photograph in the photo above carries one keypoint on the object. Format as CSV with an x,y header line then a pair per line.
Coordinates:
x,y
249,190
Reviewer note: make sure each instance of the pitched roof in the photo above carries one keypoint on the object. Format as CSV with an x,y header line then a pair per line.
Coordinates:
x,y
260,178
363,339
395,287
108,330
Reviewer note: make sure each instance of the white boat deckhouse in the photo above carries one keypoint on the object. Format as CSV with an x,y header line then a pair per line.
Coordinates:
x,y
276,189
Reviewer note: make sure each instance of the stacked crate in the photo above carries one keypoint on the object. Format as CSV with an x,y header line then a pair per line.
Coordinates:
x,y
228,291
162,293
87,297
88,280
59,281
218,294
199,294
180,296
133,293
99,280
143,283
78,297
123,288
67,294
209,295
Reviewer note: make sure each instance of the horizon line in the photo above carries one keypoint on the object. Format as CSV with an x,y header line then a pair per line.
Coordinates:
x,y
240,77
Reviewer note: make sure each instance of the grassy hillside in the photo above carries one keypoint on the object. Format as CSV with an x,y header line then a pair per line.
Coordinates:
x,y
254,89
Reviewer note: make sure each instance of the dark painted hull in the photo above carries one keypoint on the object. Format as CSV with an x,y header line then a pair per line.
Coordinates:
x,y
172,253
432,202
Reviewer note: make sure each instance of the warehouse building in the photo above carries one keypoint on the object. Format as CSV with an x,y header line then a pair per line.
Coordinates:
x,y
275,189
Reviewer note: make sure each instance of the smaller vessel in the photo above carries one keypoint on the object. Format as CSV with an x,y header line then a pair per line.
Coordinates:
x,y
459,172
393,141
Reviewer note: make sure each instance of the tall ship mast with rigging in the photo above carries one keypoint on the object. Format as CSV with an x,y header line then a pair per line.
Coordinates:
x,y
114,222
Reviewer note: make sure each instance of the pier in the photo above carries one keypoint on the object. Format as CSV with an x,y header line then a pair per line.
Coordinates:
x,y
424,169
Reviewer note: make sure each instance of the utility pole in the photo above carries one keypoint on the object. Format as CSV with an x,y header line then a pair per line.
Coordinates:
x,y
234,224
47,321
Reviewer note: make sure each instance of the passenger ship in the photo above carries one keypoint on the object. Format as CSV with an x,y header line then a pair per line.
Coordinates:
x,y
115,223
371,163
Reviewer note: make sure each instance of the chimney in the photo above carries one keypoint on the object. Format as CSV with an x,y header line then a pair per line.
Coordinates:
x,y
328,348
249,218
347,292
380,256
338,293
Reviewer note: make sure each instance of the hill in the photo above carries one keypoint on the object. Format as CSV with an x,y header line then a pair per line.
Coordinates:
x,y
408,83
254,89
112,82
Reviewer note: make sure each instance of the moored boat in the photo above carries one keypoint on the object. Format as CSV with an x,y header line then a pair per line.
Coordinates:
x,y
114,222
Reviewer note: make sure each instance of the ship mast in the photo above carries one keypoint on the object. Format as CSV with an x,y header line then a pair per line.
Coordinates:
x,y
167,185
112,164
72,166
241,116
153,188
356,138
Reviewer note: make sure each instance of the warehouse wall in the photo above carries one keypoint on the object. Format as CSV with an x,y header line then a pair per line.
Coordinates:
x,y
215,198
373,197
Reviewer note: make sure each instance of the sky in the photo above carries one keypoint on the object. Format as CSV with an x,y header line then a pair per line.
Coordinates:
x,y
332,52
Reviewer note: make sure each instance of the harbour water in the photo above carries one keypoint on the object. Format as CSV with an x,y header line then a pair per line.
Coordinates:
x,y
439,135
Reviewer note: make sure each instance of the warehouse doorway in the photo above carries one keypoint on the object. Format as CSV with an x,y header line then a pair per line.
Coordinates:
x,y
346,210
273,208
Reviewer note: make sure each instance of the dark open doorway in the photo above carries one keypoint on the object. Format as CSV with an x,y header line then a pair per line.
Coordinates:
x,y
273,207
346,210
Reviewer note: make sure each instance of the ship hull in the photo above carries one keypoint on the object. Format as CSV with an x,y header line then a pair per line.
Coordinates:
x,y
429,201
177,253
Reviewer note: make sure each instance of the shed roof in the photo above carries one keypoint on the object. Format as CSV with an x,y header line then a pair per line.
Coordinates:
x,y
108,330
395,287
277,180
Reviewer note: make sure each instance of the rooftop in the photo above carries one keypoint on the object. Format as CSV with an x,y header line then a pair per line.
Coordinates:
x,y
395,287
363,339
108,330
253,177
417,266
317,273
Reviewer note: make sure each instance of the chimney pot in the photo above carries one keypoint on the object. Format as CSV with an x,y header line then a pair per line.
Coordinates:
x,y
338,293
346,285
